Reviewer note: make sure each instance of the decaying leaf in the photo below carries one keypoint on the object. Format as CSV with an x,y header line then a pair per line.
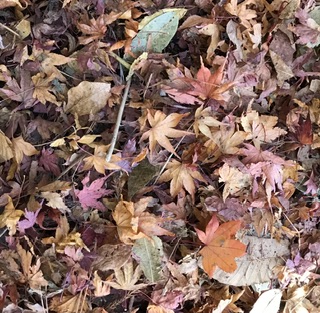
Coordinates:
x,y
88,98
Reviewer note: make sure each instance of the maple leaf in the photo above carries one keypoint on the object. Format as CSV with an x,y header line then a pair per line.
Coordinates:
x,y
21,93
21,147
134,223
234,180
55,200
49,161
89,195
42,88
220,250
33,274
181,175
10,217
96,28
162,129
261,128
204,120
208,85
127,278
63,238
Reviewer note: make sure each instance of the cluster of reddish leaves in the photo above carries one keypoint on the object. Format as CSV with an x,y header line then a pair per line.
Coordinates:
x,y
219,143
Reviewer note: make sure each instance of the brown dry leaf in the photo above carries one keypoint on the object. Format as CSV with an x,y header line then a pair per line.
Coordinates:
x,y
21,147
234,180
228,139
204,120
12,3
181,175
296,300
212,30
96,28
69,304
10,217
88,98
134,223
127,277
162,129
242,11
6,150
55,201
49,63
100,164
101,287
42,84
261,128
33,274
63,238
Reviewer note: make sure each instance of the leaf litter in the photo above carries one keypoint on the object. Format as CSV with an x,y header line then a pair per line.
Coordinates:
x,y
201,196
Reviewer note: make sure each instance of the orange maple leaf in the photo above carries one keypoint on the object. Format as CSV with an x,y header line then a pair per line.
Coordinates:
x,y
208,85
162,129
220,250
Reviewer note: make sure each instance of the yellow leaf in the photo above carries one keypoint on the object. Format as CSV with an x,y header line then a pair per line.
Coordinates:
x,y
10,217
162,129
234,180
182,175
134,223
6,152
42,86
21,147
261,128
63,238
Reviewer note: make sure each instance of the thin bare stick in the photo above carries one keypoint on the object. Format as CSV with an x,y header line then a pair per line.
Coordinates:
x,y
10,30
118,122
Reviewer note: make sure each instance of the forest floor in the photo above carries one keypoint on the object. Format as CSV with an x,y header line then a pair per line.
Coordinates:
x,y
159,156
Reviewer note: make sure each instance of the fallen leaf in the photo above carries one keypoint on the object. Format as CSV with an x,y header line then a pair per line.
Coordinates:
x,y
21,147
162,129
88,98
10,217
6,150
90,194
181,175
220,249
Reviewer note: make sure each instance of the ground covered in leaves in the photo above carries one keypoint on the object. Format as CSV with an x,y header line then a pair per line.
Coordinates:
x,y
208,198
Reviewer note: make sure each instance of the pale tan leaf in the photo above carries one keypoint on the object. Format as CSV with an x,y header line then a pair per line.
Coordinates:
x,y
88,98
6,152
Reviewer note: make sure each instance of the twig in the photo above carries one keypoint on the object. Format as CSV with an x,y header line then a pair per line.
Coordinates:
x,y
118,122
10,30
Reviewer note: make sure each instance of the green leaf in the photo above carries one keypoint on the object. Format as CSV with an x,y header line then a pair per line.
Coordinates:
x,y
157,31
149,253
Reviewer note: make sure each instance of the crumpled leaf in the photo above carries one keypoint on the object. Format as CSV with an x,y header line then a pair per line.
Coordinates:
x,y
220,249
134,223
